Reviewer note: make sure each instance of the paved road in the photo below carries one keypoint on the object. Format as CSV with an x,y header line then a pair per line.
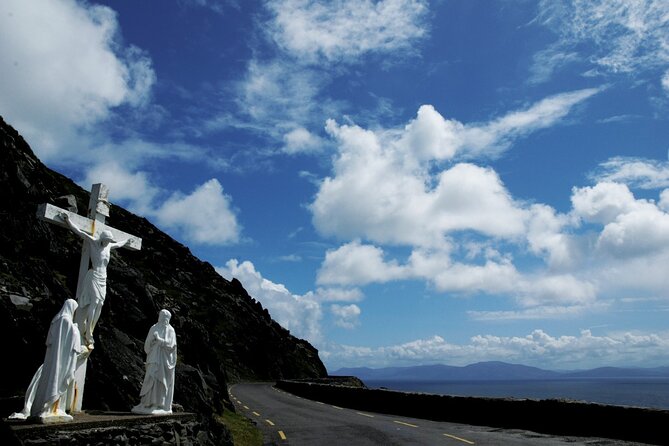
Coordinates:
x,y
286,419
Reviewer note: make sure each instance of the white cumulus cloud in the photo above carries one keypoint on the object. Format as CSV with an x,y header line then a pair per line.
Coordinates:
x,y
335,294
491,275
432,137
610,245
356,264
299,314
603,202
548,236
124,185
630,242
301,140
639,232
65,68
630,226
346,316
205,216
401,199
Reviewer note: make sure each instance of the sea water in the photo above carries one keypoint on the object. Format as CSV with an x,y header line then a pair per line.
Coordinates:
x,y
641,392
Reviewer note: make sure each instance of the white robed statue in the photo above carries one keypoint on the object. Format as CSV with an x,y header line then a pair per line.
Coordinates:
x,y
161,358
50,390
94,288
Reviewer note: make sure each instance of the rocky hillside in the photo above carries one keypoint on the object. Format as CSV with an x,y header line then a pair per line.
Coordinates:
x,y
224,335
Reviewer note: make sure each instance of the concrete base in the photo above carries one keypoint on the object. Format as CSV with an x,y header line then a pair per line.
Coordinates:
x,y
114,428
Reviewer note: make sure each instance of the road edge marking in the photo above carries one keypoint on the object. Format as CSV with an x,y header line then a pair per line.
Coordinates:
x,y
270,422
459,439
404,424
282,435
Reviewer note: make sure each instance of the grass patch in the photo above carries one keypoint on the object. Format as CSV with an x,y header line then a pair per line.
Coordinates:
x,y
244,432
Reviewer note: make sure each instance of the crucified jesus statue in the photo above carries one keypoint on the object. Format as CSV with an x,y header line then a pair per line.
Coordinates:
x,y
94,286
99,239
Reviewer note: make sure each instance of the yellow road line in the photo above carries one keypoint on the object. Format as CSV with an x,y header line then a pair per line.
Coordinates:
x,y
270,422
365,414
256,414
282,435
404,424
459,439
246,407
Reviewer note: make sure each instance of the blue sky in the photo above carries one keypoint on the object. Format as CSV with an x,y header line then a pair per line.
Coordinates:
x,y
400,181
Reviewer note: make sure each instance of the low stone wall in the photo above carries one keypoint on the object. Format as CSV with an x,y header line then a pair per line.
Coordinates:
x,y
558,417
122,429
345,381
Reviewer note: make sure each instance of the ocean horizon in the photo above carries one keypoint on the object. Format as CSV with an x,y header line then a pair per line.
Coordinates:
x,y
650,392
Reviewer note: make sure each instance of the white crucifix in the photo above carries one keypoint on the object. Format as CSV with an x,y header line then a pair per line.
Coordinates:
x,y
99,240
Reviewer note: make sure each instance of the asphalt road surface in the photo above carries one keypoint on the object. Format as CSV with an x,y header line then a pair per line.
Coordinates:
x,y
286,419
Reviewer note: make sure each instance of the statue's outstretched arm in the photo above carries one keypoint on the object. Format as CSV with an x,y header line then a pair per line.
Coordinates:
x,y
74,228
120,244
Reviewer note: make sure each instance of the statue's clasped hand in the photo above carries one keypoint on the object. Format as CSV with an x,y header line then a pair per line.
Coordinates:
x,y
85,351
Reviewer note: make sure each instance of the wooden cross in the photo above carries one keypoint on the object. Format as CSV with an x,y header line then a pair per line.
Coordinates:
x,y
98,211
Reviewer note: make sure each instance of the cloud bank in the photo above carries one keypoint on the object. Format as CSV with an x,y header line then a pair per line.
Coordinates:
x,y
416,187
301,314
538,348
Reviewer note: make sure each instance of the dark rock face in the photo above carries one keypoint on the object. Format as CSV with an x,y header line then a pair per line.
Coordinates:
x,y
223,334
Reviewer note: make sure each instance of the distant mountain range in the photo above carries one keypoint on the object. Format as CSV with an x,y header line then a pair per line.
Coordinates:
x,y
492,371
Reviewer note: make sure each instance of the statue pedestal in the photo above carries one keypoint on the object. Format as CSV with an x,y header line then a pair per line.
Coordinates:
x,y
100,427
